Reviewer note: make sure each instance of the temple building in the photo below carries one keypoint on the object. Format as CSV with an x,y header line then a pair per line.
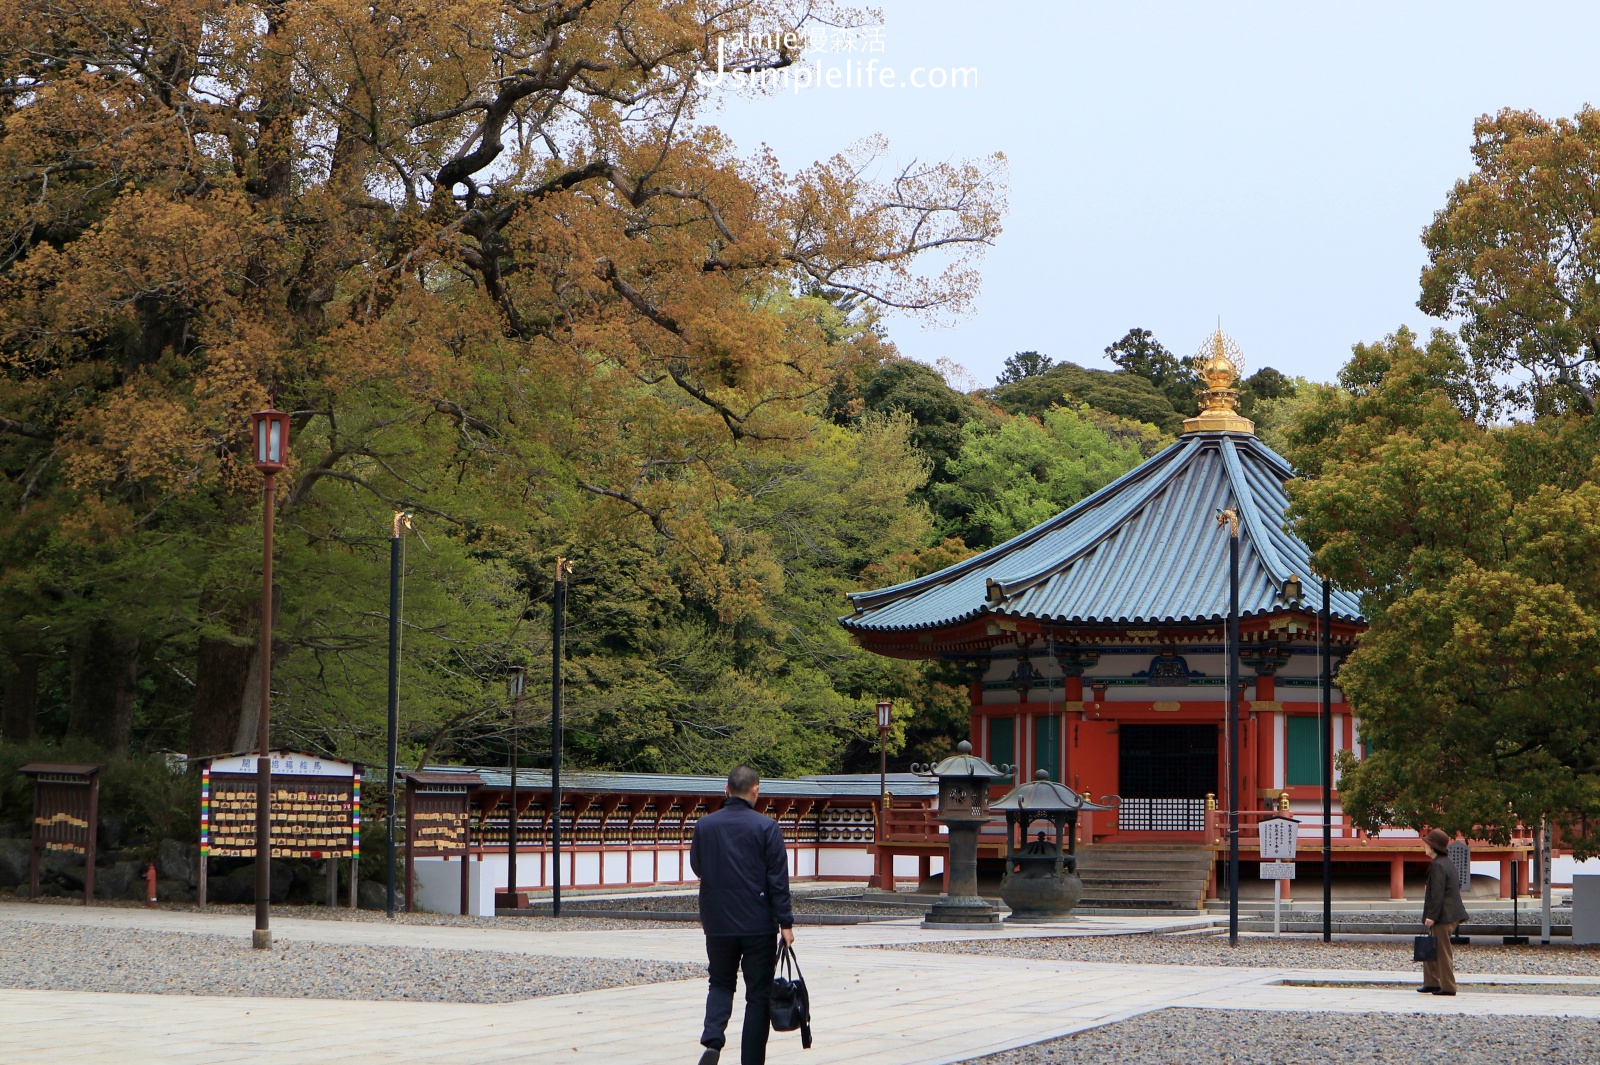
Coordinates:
x,y
1095,643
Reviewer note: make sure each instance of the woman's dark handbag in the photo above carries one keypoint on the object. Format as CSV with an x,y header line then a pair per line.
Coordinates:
x,y
1424,948
791,1005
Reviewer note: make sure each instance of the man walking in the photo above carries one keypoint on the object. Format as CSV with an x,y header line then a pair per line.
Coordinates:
x,y
738,855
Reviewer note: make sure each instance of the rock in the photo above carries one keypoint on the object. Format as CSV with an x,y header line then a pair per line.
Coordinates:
x,y
111,880
371,895
304,887
240,885
70,877
178,861
173,891
13,862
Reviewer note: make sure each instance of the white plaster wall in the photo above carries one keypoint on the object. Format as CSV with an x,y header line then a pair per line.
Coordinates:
x,y
846,862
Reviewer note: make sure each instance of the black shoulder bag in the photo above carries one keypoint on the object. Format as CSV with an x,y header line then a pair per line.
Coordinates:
x,y
791,1004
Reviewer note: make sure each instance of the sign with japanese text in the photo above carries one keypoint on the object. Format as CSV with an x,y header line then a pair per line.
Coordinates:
x,y
1278,838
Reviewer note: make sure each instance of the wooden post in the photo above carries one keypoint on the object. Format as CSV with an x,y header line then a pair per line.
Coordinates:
x,y
200,892
94,832
1505,876
34,847
1397,877
333,883
411,831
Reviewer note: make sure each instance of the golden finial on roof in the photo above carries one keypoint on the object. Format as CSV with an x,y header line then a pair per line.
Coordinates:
x,y
1218,364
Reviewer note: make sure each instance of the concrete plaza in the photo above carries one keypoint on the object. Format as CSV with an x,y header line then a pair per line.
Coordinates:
x,y
871,1007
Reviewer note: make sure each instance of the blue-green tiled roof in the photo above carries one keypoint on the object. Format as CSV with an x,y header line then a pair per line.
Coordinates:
x,y
1144,549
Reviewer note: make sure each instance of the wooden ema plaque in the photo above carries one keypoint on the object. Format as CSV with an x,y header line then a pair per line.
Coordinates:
x,y
66,810
315,807
438,823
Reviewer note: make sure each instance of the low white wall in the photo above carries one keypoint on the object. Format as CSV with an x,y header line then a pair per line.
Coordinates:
x,y
439,879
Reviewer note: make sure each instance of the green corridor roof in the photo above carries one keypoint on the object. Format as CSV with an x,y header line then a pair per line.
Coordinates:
x,y
1144,549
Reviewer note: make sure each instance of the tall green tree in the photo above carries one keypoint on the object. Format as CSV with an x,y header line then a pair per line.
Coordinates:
x,y
1011,478
1141,354
1124,394
1473,546
1024,364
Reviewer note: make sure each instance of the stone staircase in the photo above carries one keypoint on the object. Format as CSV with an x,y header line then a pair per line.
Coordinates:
x,y
1148,877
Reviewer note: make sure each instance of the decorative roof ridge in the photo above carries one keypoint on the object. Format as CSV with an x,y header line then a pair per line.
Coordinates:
x,y
1115,520
1152,466
1250,514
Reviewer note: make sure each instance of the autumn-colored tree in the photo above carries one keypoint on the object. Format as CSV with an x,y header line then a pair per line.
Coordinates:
x,y
1514,255
496,267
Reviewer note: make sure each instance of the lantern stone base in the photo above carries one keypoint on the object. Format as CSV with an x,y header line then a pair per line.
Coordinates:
x,y
960,911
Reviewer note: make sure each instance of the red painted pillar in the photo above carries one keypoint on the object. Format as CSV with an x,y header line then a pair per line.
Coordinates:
x,y
1505,877
1397,877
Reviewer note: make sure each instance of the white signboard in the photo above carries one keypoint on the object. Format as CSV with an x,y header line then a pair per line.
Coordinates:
x,y
286,764
1278,838
1277,870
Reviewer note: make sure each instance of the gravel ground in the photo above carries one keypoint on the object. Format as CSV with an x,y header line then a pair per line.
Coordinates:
x,y
322,913
51,957
809,903
1259,1037
1269,952
1528,917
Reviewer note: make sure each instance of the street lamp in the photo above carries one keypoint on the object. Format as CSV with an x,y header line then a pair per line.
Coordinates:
x,y
516,683
270,429
1229,519
885,710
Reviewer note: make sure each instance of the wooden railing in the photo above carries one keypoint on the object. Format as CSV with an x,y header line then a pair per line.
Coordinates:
x,y
1344,835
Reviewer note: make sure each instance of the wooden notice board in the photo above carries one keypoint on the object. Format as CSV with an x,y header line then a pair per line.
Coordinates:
x,y
66,811
438,823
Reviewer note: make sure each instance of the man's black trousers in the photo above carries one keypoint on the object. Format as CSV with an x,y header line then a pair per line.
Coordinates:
x,y
759,956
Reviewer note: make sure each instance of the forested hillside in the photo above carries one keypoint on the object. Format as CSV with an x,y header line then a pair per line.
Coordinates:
x,y
505,277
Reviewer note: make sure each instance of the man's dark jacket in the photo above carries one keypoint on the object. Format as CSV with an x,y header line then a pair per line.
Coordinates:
x,y
1442,902
743,868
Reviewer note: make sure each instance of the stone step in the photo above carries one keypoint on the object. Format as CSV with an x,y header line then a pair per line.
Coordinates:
x,y
1184,887
1101,863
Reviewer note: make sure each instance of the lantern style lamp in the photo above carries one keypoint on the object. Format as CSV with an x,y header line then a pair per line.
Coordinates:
x,y
963,809
270,431
1041,879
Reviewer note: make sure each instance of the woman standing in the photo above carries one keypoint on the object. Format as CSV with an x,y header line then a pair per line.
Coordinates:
x,y
1442,910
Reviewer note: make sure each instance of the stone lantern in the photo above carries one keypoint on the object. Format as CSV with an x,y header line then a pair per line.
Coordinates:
x,y
963,809
1041,879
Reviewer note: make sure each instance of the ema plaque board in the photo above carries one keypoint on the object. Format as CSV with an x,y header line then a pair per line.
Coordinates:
x,y
315,807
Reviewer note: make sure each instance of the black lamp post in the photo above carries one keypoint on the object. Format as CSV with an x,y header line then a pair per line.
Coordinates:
x,y
1326,634
402,522
1229,519
558,631
963,809
516,682
885,709
270,429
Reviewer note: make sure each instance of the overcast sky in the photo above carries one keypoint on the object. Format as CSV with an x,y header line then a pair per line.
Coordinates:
x,y
1273,164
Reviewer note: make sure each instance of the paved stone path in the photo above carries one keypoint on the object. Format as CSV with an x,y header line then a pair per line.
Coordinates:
x,y
871,1007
